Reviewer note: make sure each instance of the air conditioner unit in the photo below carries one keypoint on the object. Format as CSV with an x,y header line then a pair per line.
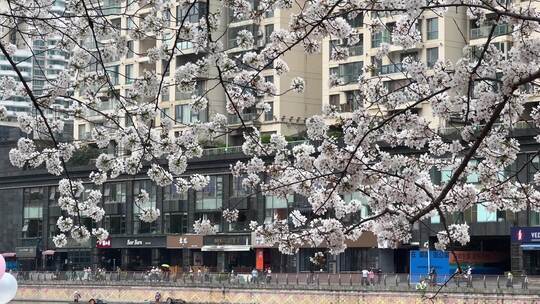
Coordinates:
x,y
261,43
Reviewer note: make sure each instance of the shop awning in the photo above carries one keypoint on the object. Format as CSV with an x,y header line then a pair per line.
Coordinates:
x,y
48,252
226,248
530,247
9,254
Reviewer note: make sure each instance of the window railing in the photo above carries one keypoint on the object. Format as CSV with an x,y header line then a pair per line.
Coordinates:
x,y
390,68
246,117
356,50
483,31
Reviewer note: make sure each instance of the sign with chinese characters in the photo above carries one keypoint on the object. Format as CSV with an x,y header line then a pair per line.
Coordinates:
x,y
525,234
221,240
139,242
184,241
104,244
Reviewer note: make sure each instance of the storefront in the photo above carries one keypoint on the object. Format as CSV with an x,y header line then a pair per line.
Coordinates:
x,y
73,256
27,258
184,251
269,256
223,253
136,253
526,249
360,254
107,257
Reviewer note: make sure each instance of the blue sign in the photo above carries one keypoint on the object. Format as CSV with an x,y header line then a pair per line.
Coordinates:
x,y
11,265
525,234
421,263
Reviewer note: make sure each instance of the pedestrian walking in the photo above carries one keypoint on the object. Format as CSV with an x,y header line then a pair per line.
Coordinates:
x,y
365,274
510,280
254,275
433,276
371,276
76,297
268,275
157,297
469,277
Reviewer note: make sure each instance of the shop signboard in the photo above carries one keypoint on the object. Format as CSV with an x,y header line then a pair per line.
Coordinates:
x,y
220,240
104,244
422,262
28,252
185,241
139,242
525,234
259,263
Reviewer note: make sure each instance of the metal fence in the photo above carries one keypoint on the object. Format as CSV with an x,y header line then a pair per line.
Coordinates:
x,y
326,281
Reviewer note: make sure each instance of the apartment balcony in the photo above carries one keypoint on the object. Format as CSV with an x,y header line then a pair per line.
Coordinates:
x,y
357,50
248,118
390,69
111,7
483,31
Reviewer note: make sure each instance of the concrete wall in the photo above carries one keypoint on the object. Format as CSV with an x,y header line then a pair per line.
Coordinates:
x,y
216,295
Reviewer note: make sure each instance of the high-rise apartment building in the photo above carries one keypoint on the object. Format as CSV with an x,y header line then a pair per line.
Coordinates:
x,y
40,62
441,39
288,111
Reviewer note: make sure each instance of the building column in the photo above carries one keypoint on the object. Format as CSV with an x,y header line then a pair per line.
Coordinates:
x,y
125,259
156,256
186,261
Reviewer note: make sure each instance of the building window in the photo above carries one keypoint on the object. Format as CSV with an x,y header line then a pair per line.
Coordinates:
x,y
130,49
53,228
355,20
353,99
165,93
485,215
213,217
115,224
129,73
384,36
138,225
54,195
275,208
174,201
130,23
176,222
82,132
349,72
114,193
334,100
190,14
233,32
268,30
184,115
269,115
357,259
211,196
432,56
238,189
432,28
33,212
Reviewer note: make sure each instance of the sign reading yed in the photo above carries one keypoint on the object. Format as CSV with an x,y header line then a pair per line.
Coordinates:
x,y
525,234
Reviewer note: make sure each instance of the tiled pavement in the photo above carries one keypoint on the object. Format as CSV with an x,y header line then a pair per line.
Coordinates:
x,y
140,294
